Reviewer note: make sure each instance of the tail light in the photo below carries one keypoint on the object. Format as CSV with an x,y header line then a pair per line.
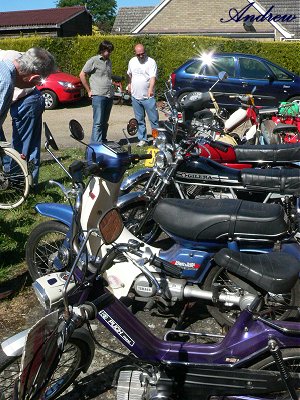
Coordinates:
x,y
173,77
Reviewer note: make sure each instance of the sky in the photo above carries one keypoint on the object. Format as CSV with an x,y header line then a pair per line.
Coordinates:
x,y
16,5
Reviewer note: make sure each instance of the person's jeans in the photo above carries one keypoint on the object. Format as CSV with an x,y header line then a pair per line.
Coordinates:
x,y
101,111
26,116
139,108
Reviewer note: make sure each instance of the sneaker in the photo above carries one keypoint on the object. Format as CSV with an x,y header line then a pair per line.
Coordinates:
x,y
142,143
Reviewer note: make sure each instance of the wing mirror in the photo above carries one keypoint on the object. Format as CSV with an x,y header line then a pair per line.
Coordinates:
x,y
132,127
222,75
76,130
50,141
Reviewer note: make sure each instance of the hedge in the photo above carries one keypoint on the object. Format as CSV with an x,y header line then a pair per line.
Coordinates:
x,y
168,51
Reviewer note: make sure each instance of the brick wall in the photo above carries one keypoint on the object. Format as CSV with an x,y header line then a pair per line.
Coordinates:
x,y
201,16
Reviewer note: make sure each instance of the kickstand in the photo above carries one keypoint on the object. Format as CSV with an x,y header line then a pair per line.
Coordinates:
x,y
179,324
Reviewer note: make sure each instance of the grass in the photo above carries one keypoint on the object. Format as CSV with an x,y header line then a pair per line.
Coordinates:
x,y
16,224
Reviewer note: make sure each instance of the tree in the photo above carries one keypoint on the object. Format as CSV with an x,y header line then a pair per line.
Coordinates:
x,y
102,11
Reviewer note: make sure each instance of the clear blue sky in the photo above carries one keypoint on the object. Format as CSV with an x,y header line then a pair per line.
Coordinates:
x,y
15,5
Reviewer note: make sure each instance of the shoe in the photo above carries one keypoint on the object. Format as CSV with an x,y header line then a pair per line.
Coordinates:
x,y
142,143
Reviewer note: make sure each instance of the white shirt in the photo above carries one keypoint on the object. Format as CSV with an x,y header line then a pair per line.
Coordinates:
x,y
141,73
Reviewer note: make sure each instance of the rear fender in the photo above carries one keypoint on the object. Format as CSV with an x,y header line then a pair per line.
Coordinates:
x,y
59,212
13,346
131,198
133,179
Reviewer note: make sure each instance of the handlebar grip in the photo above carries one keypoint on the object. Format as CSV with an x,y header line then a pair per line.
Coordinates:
x,y
219,146
167,267
145,156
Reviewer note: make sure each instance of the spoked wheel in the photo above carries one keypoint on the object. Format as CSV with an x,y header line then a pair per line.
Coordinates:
x,y
42,247
291,359
14,179
76,354
132,215
227,314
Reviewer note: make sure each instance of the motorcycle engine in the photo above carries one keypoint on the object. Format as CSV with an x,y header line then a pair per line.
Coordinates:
x,y
174,287
137,385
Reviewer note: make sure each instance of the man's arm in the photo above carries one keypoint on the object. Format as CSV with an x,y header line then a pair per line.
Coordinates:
x,y
84,80
151,86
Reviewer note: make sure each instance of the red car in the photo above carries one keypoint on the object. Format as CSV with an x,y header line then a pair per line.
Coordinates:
x,y
60,87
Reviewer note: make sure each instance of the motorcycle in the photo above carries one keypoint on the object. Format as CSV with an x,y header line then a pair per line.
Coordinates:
x,y
199,277
258,359
15,178
120,95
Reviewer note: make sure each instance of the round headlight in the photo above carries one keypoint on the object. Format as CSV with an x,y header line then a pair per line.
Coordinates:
x,y
160,160
160,140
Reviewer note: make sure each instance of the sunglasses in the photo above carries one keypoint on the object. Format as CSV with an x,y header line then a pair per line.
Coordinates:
x,y
140,54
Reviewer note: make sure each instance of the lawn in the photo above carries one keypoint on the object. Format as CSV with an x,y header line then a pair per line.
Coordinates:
x,y
16,224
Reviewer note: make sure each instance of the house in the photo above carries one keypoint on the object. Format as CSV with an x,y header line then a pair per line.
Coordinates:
x,y
244,19
59,22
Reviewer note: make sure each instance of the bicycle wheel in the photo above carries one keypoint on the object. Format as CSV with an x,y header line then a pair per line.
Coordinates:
x,y
14,179
42,246
76,357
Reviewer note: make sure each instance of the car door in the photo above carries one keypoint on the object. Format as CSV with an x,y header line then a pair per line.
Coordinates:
x,y
256,73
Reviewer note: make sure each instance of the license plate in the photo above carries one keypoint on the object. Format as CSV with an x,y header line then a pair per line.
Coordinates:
x,y
151,161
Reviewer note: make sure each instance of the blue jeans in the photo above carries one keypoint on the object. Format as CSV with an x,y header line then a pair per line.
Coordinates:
x,y
101,111
140,107
26,115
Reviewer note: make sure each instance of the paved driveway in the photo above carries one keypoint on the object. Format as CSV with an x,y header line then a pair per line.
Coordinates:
x,y
58,121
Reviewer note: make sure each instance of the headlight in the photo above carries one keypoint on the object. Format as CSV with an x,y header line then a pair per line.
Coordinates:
x,y
41,295
66,85
161,140
160,160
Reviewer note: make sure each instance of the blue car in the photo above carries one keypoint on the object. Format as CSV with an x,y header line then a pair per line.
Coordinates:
x,y
244,72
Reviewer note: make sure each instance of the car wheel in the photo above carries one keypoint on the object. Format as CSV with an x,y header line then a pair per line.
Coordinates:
x,y
50,99
182,97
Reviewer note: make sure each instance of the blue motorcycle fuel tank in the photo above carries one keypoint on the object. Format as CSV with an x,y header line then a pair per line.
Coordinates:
x,y
201,169
112,159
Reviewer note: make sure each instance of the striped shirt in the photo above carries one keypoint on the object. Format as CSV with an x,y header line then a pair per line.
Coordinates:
x,y
7,84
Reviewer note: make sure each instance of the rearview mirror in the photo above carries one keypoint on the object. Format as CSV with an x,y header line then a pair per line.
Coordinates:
x,y
132,127
223,75
76,130
49,138
111,226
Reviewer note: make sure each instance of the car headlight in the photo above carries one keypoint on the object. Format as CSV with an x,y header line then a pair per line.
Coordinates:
x,y
67,85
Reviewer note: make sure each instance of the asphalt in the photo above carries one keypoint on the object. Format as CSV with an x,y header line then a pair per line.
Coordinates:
x,y
58,122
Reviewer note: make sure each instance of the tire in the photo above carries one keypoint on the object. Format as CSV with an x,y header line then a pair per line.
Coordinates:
x,y
42,246
78,353
14,179
51,100
226,315
132,215
291,358
182,97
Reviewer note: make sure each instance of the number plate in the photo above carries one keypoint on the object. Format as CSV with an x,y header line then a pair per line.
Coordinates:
x,y
151,161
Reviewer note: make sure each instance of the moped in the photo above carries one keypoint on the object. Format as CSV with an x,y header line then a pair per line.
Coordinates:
x,y
241,225
258,359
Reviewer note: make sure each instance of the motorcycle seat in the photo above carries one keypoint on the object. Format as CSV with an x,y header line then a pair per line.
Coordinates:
x,y
275,180
220,219
274,153
285,128
274,272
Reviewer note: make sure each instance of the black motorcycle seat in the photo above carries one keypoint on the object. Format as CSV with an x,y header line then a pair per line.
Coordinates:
x,y
285,128
274,272
273,153
275,180
221,220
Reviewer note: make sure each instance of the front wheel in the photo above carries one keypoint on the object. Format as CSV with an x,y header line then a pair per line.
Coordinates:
x,y
133,215
14,179
42,247
76,356
51,100
226,314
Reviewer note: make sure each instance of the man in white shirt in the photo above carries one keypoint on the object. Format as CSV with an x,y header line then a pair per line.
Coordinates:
x,y
142,72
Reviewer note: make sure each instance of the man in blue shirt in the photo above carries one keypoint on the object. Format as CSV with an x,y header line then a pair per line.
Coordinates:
x,y
24,72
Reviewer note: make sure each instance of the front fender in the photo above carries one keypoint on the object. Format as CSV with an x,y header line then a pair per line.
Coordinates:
x,y
131,198
59,212
134,178
13,346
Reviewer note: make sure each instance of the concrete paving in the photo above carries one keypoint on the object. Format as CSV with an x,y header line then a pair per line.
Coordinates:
x,y
58,122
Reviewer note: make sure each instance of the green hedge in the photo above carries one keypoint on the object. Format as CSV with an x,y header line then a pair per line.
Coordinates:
x,y
168,51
